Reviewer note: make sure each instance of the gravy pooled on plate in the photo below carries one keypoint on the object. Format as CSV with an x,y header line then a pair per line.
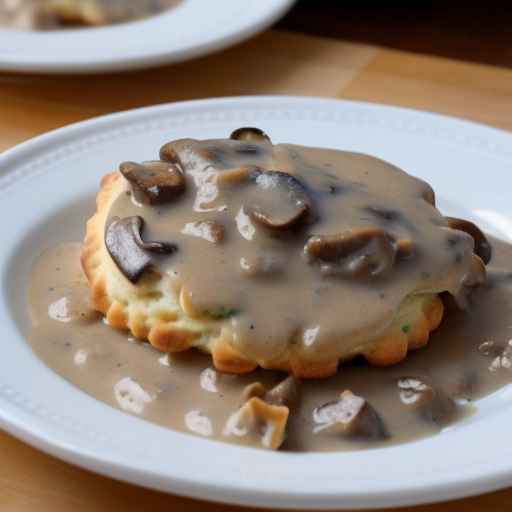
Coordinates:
x,y
283,257
470,356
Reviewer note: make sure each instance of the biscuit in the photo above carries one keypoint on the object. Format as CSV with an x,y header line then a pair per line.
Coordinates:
x,y
158,309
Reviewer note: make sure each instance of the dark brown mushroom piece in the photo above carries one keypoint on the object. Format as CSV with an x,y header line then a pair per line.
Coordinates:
x,y
350,416
250,134
171,151
130,252
432,404
482,248
153,182
359,253
286,393
278,201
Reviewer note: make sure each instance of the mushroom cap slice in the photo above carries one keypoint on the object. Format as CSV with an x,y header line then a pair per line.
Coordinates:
x,y
483,248
153,182
130,252
249,134
170,151
433,404
360,253
286,393
254,389
350,416
279,201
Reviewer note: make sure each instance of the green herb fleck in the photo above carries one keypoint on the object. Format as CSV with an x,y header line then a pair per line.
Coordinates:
x,y
405,328
222,312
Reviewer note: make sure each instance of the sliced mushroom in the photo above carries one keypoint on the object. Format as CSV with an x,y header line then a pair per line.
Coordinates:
x,y
235,176
489,348
153,182
250,134
130,253
258,422
361,253
475,277
171,151
432,404
255,389
279,201
209,230
483,248
350,416
286,393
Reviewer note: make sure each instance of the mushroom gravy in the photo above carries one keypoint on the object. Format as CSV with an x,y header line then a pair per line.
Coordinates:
x,y
467,358
53,14
291,253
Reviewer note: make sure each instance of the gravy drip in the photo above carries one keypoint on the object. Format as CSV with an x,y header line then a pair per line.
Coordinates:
x,y
183,392
272,299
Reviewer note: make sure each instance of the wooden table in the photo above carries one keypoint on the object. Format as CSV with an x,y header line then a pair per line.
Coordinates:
x,y
273,63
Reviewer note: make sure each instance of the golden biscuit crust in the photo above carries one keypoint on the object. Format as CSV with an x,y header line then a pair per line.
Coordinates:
x,y
149,310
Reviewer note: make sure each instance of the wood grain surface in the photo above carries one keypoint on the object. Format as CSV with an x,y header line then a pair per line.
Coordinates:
x,y
273,63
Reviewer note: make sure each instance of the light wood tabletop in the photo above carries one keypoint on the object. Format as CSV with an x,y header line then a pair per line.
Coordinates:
x,y
273,63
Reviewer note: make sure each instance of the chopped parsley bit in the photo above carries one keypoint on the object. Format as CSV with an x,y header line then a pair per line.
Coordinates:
x,y
405,328
222,312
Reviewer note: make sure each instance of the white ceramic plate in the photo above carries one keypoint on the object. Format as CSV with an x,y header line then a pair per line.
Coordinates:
x,y
193,28
53,179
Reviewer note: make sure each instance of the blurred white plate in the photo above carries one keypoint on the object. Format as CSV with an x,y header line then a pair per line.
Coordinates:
x,y
192,29
52,180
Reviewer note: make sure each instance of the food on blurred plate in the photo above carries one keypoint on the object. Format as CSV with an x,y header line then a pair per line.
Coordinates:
x,y
51,14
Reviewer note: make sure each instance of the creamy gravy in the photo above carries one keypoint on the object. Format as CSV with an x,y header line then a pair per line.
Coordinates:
x,y
184,393
52,14
274,300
